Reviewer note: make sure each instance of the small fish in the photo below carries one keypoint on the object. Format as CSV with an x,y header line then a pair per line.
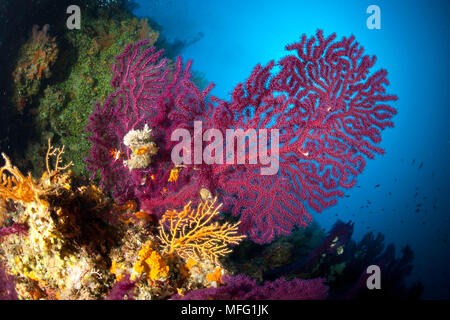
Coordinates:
x,y
377,185
116,154
421,165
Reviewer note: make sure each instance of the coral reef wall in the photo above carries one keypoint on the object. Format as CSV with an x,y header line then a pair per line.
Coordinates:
x,y
329,109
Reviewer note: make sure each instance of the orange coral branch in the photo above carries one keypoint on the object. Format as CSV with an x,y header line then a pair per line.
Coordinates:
x,y
193,233
14,185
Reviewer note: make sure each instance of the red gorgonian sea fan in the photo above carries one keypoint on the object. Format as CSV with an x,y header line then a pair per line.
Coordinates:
x,y
242,287
330,112
146,92
329,109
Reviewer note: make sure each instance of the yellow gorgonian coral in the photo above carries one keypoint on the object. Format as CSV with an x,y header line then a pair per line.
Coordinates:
x,y
151,262
193,233
57,153
14,185
17,187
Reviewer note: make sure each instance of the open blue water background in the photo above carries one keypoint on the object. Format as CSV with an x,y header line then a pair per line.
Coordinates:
x,y
412,204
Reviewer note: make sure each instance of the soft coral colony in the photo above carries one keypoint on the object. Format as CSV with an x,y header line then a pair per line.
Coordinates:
x,y
163,234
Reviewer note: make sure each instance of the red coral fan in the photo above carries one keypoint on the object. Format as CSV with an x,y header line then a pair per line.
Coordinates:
x,y
242,287
330,114
327,107
146,92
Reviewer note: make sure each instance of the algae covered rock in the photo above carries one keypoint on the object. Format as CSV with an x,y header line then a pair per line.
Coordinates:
x,y
82,77
36,58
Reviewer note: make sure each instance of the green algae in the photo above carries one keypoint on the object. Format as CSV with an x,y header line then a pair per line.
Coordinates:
x,y
82,78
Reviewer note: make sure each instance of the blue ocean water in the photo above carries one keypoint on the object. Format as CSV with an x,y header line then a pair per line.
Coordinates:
x,y
412,203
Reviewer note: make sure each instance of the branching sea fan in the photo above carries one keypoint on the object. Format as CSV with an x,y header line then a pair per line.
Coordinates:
x,y
329,110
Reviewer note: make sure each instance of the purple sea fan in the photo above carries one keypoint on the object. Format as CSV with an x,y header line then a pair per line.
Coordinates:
x,y
147,93
242,287
330,112
128,107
